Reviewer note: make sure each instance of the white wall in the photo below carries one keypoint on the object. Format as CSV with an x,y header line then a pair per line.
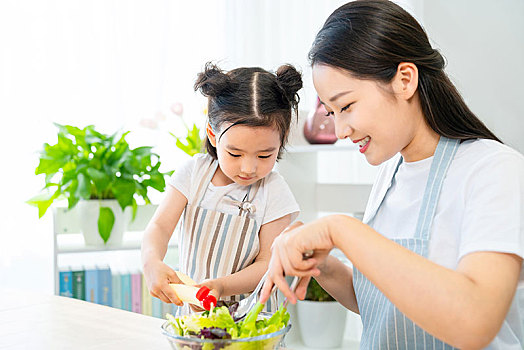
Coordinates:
x,y
483,42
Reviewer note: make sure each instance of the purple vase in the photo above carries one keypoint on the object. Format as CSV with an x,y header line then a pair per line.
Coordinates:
x,y
319,128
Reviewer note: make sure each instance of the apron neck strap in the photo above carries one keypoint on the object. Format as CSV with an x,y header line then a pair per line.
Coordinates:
x,y
205,180
442,159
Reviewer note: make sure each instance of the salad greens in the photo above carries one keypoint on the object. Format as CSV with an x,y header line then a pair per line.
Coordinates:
x,y
219,324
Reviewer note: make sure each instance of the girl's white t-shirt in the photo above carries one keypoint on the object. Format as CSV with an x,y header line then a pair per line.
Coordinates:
x,y
481,208
272,201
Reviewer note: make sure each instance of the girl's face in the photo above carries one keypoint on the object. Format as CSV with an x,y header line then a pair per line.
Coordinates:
x,y
247,154
372,115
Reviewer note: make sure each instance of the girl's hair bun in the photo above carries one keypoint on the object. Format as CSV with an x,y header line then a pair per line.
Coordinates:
x,y
212,81
290,81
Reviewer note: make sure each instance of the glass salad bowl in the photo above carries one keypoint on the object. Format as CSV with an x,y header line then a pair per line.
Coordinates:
x,y
265,341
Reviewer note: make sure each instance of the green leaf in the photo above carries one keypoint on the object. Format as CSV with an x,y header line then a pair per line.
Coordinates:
x,y
43,201
83,190
124,191
106,220
100,179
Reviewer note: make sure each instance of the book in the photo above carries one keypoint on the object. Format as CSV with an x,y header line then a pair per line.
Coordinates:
x,y
156,307
79,291
91,285
116,289
104,286
136,292
65,288
147,302
126,291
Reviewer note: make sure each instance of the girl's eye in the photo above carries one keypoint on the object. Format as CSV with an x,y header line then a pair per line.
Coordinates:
x,y
329,113
265,157
234,155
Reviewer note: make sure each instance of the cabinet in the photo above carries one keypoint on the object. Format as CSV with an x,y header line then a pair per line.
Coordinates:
x,y
327,178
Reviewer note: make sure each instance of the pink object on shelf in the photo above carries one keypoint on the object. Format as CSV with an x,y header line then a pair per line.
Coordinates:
x,y
319,128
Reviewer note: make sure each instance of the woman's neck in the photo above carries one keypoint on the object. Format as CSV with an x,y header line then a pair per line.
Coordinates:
x,y
422,145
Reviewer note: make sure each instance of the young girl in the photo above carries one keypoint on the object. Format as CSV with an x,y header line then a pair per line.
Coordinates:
x,y
437,262
234,204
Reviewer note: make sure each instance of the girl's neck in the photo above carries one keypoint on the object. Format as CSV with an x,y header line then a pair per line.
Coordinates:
x,y
220,179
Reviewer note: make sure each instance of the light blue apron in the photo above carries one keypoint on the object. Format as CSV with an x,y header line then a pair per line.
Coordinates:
x,y
384,326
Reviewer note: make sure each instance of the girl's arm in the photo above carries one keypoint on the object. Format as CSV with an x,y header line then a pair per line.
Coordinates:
x,y
244,281
463,307
154,246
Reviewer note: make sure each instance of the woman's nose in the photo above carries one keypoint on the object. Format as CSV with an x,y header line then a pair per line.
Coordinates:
x,y
342,128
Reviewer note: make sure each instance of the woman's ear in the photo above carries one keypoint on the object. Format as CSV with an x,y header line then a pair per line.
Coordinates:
x,y
405,82
211,135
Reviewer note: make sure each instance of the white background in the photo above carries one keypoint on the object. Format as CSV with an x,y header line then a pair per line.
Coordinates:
x,y
122,64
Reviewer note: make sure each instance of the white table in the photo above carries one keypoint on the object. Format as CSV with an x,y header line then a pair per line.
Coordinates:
x,y
33,321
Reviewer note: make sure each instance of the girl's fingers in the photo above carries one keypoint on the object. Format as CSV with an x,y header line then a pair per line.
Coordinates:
x,y
171,296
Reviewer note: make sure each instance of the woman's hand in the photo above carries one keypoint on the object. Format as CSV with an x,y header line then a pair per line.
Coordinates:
x,y
158,277
288,257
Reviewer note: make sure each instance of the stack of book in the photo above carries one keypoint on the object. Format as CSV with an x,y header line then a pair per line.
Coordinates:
x,y
125,290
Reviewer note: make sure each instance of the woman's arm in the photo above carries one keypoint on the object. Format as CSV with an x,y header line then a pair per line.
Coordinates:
x,y
154,246
244,281
464,307
467,305
337,279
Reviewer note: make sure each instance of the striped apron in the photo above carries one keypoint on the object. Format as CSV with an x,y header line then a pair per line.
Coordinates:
x,y
215,244
384,326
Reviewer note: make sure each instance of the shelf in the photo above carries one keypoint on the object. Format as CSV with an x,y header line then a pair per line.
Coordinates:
x,y
74,243
339,146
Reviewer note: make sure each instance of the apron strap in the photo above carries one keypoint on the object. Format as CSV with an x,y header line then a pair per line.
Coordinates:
x,y
443,157
204,181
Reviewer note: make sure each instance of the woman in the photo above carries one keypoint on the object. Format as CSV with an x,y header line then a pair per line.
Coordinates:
x,y
437,261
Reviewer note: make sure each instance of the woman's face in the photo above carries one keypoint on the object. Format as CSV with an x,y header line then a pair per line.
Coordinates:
x,y
367,112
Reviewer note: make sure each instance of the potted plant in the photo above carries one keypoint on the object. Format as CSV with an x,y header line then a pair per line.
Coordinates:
x,y
321,319
101,174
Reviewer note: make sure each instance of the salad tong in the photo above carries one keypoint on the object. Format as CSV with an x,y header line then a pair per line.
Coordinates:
x,y
245,305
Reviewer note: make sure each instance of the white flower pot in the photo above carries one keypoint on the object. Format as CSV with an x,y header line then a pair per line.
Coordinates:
x,y
321,323
88,211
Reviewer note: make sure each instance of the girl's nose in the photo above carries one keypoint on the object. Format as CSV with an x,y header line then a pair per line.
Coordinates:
x,y
249,166
342,128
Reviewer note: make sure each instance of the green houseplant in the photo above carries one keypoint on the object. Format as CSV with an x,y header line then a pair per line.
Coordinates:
x,y
88,165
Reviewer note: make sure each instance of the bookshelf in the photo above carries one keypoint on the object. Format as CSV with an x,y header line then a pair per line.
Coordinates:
x,y
69,240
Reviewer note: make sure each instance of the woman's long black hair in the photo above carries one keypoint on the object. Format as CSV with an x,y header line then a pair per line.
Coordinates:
x,y
369,38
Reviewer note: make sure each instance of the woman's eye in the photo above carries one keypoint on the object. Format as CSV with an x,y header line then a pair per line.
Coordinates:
x,y
264,157
329,113
345,108
234,155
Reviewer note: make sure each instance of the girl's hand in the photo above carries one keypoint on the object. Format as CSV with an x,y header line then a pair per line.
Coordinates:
x,y
287,257
158,277
216,290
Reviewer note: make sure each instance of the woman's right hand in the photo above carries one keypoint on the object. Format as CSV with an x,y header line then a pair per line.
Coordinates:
x,y
288,257
158,276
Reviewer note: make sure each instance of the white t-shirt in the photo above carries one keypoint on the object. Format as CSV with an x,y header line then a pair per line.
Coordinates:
x,y
481,208
272,201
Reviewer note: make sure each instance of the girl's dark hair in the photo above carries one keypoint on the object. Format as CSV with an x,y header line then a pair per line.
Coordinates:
x,y
369,38
250,96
